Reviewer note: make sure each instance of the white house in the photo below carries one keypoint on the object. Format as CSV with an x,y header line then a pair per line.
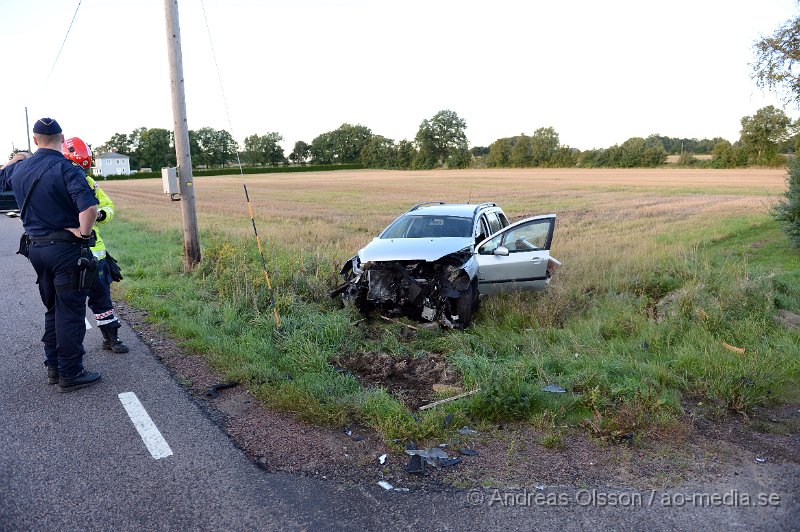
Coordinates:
x,y
112,164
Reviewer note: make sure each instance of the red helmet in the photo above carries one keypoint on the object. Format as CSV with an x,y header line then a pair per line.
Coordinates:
x,y
78,152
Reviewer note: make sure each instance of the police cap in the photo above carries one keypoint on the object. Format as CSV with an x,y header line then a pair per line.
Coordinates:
x,y
46,126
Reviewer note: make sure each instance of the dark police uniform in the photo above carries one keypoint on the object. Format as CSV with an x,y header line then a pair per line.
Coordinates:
x,y
60,195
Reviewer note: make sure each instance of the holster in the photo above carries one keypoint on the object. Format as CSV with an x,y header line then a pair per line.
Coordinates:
x,y
24,245
85,273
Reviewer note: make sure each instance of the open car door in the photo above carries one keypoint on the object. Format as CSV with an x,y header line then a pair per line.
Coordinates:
x,y
517,257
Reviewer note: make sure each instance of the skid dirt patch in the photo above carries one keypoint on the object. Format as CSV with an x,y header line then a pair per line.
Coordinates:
x,y
408,379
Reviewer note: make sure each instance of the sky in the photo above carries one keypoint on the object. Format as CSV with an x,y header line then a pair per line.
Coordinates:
x,y
598,72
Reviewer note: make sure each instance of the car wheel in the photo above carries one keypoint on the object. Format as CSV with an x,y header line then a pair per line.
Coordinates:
x,y
465,306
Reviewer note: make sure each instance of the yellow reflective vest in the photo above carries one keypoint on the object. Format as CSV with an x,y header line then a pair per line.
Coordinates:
x,y
106,206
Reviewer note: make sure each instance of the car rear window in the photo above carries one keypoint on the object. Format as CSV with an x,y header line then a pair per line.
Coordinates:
x,y
422,226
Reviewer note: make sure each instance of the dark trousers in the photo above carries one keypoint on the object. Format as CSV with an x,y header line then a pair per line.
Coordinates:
x,y
64,320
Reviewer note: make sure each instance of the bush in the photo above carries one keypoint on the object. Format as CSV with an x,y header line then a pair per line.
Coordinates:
x,y
787,211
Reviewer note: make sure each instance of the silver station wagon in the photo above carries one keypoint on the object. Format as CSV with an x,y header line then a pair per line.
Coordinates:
x,y
435,261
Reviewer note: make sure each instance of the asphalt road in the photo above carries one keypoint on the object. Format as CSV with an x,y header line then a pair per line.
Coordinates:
x,y
76,461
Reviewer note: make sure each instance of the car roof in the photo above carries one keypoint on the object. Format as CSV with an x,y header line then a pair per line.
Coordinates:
x,y
465,210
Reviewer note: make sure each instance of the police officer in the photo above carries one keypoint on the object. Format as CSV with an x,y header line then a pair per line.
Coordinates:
x,y
58,210
77,151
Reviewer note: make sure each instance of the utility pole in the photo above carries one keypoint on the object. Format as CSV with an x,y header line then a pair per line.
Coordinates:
x,y
28,130
191,240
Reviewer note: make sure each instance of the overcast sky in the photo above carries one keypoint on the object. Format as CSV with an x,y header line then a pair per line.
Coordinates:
x,y
599,72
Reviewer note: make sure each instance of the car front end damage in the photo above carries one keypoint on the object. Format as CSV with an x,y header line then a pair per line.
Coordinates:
x,y
441,290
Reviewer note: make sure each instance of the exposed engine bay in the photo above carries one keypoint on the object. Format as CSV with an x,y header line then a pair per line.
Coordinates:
x,y
441,291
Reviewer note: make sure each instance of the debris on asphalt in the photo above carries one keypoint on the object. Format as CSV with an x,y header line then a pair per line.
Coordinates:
x,y
388,487
468,452
552,388
466,431
416,466
435,457
353,436
382,459
213,392
760,459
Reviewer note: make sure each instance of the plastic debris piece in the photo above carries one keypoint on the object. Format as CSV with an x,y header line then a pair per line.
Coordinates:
x,y
760,459
213,392
447,462
552,388
733,348
404,490
443,445
416,465
466,431
385,485
448,420
468,452
382,459
539,487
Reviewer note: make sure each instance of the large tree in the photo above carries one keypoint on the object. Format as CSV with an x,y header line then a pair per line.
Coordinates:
x,y
762,134
777,64
442,140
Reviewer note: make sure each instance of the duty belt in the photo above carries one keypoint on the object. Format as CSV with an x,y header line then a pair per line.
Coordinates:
x,y
62,235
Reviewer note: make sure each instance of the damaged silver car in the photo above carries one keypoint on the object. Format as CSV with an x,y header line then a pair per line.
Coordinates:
x,y
435,261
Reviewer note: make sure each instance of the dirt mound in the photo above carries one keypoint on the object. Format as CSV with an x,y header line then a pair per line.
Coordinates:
x,y
408,379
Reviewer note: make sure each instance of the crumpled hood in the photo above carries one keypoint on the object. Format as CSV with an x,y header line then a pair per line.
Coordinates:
x,y
427,249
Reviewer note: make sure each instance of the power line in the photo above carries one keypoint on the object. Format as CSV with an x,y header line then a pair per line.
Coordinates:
x,y
63,43
221,88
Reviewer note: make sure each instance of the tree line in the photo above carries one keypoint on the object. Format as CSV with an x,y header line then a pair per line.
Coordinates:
x,y
441,141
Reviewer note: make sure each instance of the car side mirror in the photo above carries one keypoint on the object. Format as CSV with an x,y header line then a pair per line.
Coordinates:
x,y
501,251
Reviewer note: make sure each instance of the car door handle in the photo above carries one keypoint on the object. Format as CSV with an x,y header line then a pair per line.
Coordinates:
x,y
537,260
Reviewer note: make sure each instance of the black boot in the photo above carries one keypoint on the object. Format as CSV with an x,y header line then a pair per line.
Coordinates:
x,y
111,341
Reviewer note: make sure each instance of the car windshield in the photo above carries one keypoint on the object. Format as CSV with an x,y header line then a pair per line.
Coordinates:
x,y
426,226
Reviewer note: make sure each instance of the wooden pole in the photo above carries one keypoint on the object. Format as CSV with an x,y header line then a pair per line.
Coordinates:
x,y
191,240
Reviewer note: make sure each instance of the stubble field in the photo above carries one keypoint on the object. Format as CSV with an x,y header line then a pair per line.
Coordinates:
x,y
660,268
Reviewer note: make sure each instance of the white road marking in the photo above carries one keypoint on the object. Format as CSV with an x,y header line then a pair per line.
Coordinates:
x,y
88,325
155,442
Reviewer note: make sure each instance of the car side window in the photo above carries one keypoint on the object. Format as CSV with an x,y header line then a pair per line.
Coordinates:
x,y
494,222
503,219
527,237
483,230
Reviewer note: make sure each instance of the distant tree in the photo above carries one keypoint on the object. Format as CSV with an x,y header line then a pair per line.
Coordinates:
x,y
379,152
544,146
726,155
342,145
155,148
405,155
214,147
263,149
300,153
762,133
440,139
479,151
500,153
521,152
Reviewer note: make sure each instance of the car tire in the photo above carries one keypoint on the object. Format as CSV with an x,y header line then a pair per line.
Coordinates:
x,y
465,306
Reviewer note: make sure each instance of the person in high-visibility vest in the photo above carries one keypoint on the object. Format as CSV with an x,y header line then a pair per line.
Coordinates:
x,y
100,302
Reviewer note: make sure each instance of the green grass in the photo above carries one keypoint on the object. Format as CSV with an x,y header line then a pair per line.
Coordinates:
x,y
626,360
